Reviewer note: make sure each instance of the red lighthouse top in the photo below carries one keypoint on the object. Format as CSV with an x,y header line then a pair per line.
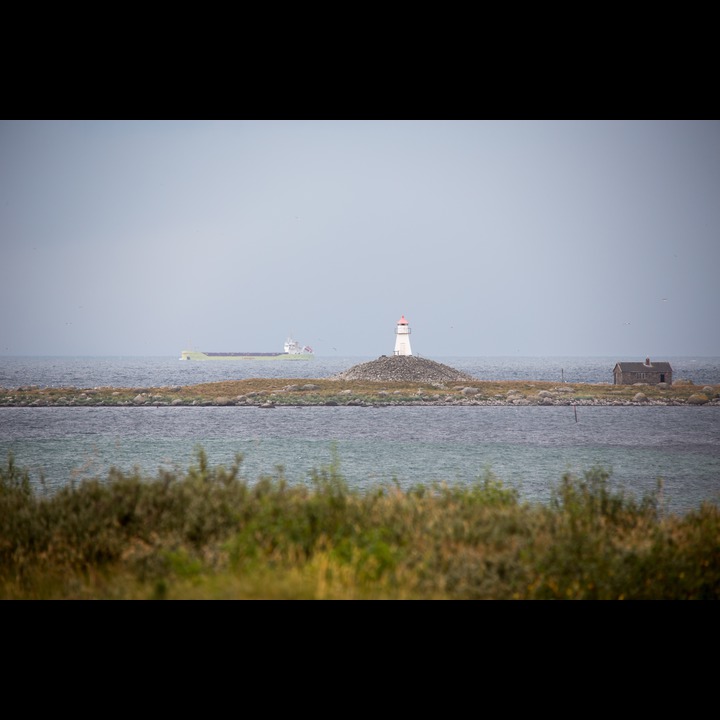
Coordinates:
x,y
402,321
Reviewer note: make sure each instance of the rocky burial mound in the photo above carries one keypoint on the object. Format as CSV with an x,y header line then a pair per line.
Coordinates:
x,y
408,368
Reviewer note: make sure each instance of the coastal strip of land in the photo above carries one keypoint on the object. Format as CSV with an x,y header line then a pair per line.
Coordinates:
x,y
291,392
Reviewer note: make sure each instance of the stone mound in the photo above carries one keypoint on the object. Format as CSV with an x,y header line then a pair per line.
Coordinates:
x,y
408,368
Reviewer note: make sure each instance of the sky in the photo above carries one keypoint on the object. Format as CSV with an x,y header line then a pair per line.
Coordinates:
x,y
492,238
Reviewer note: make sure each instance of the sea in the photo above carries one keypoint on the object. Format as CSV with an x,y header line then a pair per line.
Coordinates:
x,y
670,450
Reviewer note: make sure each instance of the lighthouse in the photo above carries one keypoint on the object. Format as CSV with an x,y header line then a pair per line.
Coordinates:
x,y
402,337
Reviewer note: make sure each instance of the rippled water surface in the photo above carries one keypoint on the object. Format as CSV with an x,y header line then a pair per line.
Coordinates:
x,y
527,447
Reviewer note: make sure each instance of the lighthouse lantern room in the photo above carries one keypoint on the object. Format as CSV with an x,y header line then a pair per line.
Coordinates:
x,y
402,337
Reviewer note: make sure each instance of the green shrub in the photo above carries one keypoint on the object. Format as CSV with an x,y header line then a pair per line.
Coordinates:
x,y
209,532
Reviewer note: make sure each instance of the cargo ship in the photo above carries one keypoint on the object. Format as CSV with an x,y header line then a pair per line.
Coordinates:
x,y
293,351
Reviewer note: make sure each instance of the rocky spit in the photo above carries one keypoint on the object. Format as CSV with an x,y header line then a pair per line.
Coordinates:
x,y
443,385
441,394
404,368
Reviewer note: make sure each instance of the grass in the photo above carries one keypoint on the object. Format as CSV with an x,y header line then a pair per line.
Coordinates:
x,y
211,533
256,391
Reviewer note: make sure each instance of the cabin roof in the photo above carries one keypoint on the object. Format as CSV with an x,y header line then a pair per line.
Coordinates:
x,y
642,367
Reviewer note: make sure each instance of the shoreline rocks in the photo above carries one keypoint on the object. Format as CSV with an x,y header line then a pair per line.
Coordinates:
x,y
389,381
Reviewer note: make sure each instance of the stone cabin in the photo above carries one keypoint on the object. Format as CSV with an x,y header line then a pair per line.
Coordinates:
x,y
629,373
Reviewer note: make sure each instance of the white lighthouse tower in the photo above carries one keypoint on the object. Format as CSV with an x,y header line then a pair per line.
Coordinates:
x,y
402,337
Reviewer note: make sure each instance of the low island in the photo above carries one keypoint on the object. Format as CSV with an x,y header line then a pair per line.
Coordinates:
x,y
387,381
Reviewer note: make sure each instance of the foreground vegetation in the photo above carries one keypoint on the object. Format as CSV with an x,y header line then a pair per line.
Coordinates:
x,y
210,533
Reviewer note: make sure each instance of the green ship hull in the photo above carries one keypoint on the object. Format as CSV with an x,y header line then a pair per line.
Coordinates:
x,y
197,355
293,351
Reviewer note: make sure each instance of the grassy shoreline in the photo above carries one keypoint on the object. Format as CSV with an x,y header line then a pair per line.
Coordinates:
x,y
293,392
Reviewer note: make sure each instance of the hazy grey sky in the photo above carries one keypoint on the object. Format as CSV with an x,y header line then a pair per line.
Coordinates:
x,y
532,238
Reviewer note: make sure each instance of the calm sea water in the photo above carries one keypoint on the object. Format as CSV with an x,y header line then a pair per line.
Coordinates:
x,y
526,447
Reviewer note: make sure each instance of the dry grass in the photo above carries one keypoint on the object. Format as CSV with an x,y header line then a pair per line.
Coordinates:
x,y
291,391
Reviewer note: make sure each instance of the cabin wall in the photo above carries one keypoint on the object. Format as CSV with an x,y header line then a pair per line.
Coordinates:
x,y
645,376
